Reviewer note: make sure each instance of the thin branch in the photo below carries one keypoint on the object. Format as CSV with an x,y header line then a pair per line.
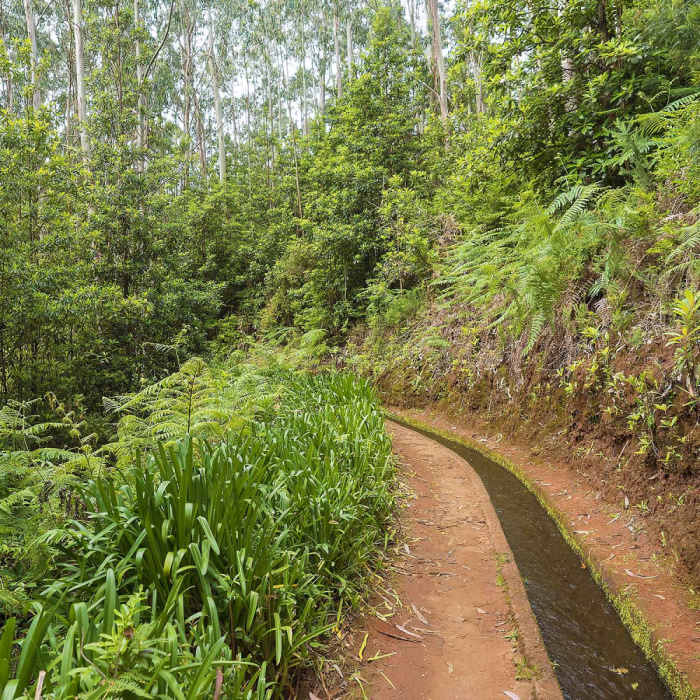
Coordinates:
x,y
162,43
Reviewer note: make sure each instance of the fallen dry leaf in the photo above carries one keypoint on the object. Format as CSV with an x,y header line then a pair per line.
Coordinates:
x,y
656,595
313,697
395,636
412,634
417,613
481,612
510,695
633,575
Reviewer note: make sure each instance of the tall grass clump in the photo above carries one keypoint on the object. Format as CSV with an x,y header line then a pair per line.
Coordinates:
x,y
213,567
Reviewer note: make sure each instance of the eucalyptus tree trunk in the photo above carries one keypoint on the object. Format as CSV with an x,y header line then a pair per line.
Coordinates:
x,y
567,66
348,33
69,50
8,76
304,106
322,86
201,141
234,120
338,66
80,77
478,82
141,126
434,19
31,32
270,112
280,93
217,103
187,30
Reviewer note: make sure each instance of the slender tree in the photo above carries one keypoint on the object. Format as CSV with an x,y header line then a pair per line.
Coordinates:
x,y
31,32
80,77
338,64
437,55
217,102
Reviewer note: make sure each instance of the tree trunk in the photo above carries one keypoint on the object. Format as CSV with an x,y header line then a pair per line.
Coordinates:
x,y
201,141
338,66
304,106
31,32
434,19
8,76
322,87
70,70
603,21
270,113
140,128
348,29
217,103
186,61
478,82
234,120
80,77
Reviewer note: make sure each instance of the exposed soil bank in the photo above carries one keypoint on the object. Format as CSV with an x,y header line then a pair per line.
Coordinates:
x,y
611,408
469,632
613,541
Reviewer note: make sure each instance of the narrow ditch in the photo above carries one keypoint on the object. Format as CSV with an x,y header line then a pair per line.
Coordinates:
x,y
593,654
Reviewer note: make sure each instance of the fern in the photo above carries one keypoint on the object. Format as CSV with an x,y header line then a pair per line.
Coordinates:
x,y
683,259
655,123
517,273
198,400
517,276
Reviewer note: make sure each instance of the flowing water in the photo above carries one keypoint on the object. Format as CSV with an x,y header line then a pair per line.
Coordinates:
x,y
594,655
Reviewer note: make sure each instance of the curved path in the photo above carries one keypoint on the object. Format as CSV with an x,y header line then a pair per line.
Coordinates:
x,y
468,630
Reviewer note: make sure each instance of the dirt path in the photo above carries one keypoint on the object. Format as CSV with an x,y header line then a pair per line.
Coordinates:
x,y
469,632
613,538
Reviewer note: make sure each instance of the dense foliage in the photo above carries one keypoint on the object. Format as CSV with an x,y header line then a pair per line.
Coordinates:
x,y
504,200
192,562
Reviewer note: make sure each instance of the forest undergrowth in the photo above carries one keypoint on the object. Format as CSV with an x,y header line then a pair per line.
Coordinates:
x,y
213,544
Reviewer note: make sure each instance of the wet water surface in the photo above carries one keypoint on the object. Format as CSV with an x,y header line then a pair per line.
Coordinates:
x,y
594,656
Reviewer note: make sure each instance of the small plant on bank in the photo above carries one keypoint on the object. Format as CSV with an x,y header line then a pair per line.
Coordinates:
x,y
686,338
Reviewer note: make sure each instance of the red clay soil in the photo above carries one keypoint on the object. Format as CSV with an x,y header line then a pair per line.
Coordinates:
x,y
451,629
612,536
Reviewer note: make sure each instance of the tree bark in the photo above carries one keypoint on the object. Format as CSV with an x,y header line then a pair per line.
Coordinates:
x,y
187,28
31,32
80,77
434,19
478,82
348,29
270,113
8,77
322,87
603,21
338,66
140,128
217,103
